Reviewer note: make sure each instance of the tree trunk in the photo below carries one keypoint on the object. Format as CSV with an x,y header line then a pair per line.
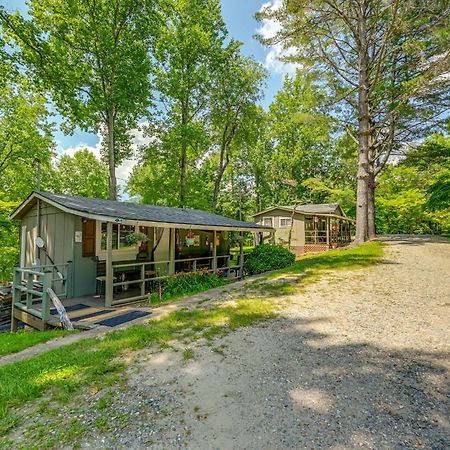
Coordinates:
x,y
183,157
217,188
223,161
363,135
371,207
111,157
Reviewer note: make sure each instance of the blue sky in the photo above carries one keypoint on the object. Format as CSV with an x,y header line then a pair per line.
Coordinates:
x,y
241,24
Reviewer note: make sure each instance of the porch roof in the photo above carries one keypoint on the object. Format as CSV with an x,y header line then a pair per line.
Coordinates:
x,y
127,212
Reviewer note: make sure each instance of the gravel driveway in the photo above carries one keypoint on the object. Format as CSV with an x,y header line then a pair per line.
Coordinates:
x,y
358,360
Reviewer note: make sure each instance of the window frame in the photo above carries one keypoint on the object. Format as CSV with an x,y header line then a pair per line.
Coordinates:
x,y
286,218
119,253
272,219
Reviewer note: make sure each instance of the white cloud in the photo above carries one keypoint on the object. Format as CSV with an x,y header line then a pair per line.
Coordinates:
x,y
268,30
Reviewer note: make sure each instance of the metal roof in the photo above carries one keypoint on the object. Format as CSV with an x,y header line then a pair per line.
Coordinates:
x,y
321,208
117,211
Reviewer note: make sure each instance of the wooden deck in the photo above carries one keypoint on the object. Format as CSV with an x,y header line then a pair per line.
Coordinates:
x,y
89,312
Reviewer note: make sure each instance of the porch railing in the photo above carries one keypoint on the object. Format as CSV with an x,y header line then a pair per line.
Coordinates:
x,y
27,296
61,280
160,270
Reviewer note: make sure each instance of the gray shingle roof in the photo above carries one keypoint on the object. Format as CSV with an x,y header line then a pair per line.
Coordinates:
x,y
321,208
145,213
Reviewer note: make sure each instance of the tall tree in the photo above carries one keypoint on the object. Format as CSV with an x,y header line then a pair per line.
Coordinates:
x,y
187,51
93,57
385,56
233,107
298,137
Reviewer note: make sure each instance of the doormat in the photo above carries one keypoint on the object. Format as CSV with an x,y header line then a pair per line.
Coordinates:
x,y
100,312
123,318
70,308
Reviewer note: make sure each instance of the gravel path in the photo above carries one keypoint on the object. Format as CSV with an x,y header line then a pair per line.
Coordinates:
x,y
358,360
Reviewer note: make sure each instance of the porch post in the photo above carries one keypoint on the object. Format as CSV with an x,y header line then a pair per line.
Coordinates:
x,y
241,254
172,236
109,288
328,233
214,253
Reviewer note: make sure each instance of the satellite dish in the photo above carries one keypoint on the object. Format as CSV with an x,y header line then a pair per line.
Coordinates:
x,y
40,242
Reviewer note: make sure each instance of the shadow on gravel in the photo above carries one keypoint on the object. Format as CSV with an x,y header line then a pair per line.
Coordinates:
x,y
359,395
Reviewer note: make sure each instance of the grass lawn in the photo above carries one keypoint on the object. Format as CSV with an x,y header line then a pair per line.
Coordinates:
x,y
16,342
95,363
349,258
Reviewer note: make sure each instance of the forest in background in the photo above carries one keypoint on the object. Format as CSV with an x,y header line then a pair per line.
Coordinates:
x,y
170,68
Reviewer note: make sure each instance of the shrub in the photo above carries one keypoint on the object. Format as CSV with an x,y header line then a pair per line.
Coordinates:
x,y
268,257
186,283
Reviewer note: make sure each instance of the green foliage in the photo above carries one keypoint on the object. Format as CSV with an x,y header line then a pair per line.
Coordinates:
x,y
25,135
209,91
81,175
403,200
182,284
268,257
9,241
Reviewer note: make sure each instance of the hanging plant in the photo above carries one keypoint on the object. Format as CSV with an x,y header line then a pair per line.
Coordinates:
x,y
136,238
189,239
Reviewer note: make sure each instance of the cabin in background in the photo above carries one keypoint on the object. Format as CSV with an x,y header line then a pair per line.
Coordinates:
x,y
313,228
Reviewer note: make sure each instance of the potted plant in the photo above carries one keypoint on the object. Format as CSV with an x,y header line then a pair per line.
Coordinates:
x,y
136,238
189,239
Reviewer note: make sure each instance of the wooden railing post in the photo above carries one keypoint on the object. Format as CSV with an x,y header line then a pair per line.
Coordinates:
x,y
172,236
46,284
241,254
194,265
29,295
214,261
109,287
143,279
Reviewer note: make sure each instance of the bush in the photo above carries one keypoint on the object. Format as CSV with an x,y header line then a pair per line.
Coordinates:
x,y
187,283
268,257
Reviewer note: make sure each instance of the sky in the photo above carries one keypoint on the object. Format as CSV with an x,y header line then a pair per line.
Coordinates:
x,y
242,26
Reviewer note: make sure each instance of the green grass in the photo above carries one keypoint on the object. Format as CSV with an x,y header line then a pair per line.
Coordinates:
x,y
350,258
16,342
